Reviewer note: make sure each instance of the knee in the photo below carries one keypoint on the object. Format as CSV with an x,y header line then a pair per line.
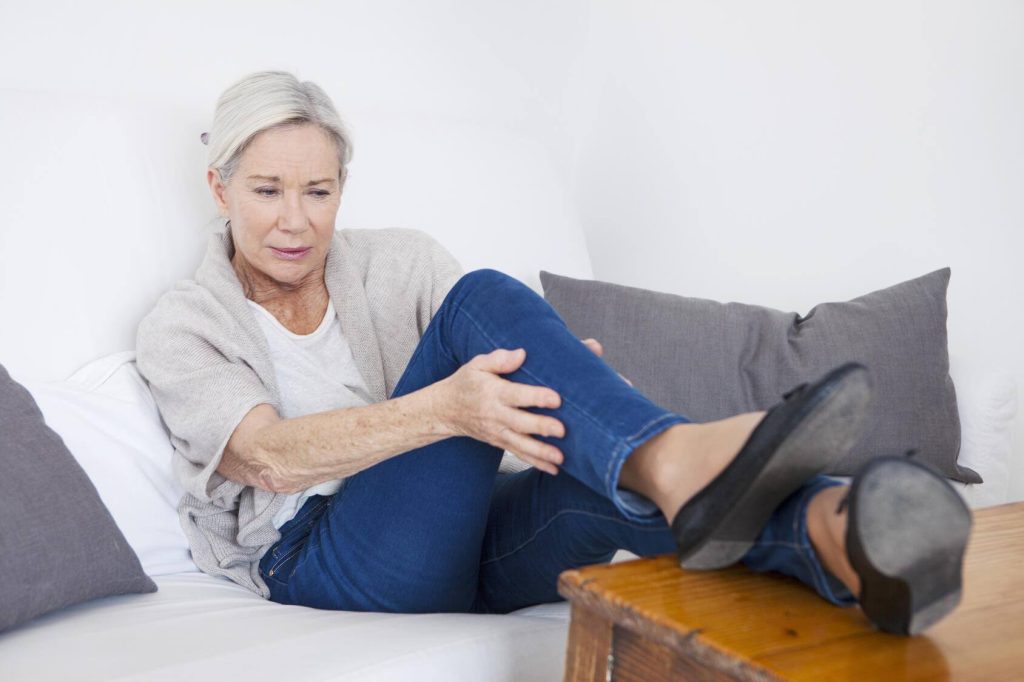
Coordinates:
x,y
484,277
484,281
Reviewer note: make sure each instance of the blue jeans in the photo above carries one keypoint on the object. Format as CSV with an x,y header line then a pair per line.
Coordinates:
x,y
438,528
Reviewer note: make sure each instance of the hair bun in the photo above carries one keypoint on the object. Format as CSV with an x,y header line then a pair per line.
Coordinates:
x,y
205,138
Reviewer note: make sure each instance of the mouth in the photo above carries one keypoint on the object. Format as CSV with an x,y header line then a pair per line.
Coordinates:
x,y
291,254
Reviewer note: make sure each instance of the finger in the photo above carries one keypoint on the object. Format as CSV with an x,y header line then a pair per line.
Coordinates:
x,y
548,455
529,422
546,467
595,346
543,466
500,360
527,395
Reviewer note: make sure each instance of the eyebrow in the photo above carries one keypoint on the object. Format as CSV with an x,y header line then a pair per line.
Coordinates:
x,y
274,178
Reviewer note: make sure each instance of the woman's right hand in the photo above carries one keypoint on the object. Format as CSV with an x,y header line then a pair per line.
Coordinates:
x,y
476,402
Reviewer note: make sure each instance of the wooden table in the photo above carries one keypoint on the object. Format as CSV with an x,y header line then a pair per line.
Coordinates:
x,y
648,620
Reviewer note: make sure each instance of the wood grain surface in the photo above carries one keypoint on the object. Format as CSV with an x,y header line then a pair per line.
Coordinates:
x,y
660,621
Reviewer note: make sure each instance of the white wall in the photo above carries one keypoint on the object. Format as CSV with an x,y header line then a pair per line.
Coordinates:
x,y
451,103
779,153
786,153
448,102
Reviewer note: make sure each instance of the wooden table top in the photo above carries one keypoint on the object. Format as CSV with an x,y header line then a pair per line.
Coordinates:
x,y
771,625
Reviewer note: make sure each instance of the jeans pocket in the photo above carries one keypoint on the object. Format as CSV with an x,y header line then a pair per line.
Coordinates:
x,y
310,511
294,535
279,569
300,523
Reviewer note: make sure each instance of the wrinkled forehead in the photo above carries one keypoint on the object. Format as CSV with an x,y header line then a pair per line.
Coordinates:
x,y
296,153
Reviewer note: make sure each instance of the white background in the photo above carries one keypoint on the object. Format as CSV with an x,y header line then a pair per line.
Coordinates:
x,y
781,153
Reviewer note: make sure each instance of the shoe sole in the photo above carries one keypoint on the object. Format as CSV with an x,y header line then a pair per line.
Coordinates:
x,y
909,532
824,435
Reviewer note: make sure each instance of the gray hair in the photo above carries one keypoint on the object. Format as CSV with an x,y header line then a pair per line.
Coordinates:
x,y
265,100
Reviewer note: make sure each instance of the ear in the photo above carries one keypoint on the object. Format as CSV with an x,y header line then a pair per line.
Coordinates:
x,y
217,189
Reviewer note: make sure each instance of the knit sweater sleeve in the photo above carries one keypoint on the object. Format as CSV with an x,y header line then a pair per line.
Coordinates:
x,y
187,350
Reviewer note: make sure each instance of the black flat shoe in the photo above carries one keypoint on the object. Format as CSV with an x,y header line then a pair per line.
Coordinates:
x,y
906,533
798,438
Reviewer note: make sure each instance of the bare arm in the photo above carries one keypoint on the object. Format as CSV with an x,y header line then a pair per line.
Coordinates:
x,y
290,455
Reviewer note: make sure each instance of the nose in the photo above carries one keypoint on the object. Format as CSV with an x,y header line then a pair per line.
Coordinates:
x,y
292,217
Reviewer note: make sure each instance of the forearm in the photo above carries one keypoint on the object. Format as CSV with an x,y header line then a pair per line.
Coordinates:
x,y
300,452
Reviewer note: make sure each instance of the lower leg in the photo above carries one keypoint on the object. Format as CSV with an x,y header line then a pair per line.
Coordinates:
x,y
541,525
604,418
673,466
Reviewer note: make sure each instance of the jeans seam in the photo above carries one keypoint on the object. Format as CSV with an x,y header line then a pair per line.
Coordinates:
x,y
621,443
304,519
309,528
562,513
296,530
295,549
799,546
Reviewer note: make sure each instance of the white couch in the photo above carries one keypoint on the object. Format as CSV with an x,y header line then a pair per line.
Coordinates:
x,y
104,207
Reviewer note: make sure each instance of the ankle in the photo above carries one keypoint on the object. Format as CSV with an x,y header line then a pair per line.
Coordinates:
x,y
827,532
649,469
673,466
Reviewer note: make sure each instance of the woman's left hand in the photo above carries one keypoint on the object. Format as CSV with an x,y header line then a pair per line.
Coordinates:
x,y
598,349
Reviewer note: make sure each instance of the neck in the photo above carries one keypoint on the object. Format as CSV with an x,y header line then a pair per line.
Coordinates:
x,y
308,294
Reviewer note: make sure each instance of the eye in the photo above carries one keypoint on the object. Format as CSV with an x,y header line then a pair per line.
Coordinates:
x,y
320,193
265,191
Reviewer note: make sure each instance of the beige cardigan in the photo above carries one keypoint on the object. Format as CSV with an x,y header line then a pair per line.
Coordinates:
x,y
205,358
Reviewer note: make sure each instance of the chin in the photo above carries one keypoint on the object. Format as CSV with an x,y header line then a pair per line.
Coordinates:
x,y
289,273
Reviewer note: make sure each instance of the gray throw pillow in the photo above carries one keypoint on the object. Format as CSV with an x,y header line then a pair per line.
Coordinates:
x,y
709,360
59,544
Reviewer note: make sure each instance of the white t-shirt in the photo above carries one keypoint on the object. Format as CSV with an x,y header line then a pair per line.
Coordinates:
x,y
315,373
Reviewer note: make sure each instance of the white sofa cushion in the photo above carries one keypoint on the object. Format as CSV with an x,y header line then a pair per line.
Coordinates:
x,y
198,626
107,418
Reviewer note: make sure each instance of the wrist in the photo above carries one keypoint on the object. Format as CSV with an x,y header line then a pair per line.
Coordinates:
x,y
441,418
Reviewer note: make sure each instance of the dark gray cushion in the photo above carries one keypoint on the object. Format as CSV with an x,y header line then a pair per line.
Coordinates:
x,y
59,544
709,360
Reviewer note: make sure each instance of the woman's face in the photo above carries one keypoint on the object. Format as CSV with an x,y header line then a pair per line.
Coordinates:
x,y
284,194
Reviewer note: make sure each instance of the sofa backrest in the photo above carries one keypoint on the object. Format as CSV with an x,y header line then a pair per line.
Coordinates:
x,y
105,206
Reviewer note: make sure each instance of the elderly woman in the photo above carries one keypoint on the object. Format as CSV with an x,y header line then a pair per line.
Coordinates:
x,y
339,403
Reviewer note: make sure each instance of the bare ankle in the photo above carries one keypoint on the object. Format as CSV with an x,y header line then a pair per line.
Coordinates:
x,y
827,532
644,471
673,466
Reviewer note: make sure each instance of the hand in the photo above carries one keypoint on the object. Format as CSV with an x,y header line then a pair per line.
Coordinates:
x,y
595,345
476,402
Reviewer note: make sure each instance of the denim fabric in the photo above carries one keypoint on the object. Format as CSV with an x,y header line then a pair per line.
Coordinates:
x,y
437,529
